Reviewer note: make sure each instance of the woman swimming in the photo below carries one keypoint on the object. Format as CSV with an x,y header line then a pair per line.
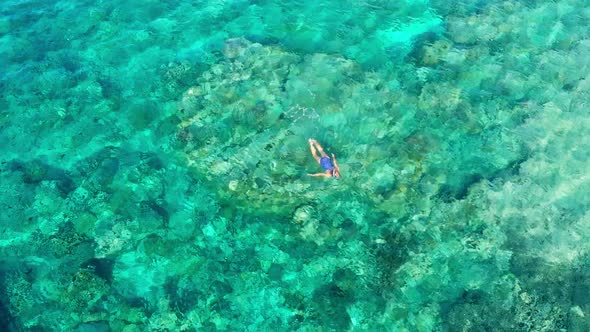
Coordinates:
x,y
330,171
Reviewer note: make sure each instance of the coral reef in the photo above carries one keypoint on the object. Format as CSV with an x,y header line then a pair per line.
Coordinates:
x,y
155,160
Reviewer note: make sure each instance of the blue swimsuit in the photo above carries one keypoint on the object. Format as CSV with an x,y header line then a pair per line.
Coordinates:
x,y
326,164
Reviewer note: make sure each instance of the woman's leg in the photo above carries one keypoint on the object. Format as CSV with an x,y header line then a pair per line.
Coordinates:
x,y
313,150
319,147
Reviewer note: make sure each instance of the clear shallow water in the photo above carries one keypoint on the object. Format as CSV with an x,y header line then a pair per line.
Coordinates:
x,y
155,157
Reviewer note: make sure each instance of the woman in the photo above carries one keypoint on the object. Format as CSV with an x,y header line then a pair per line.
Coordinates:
x,y
330,171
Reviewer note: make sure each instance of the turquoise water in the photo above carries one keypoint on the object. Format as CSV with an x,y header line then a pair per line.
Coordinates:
x,y
155,158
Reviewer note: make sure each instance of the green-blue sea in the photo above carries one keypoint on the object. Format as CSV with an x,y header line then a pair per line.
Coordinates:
x,y
281,165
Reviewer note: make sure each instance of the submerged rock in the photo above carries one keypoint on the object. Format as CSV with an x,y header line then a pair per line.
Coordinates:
x,y
303,214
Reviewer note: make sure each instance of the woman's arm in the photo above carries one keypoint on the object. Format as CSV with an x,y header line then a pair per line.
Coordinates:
x,y
319,174
336,166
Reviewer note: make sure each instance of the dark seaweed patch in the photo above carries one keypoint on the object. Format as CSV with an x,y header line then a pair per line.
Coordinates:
x,y
101,267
